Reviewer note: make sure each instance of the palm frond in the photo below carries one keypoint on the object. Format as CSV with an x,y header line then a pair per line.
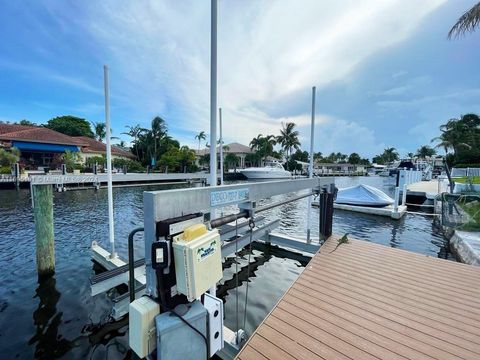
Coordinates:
x,y
468,22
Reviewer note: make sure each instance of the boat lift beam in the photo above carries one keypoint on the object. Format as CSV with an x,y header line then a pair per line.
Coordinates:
x,y
163,205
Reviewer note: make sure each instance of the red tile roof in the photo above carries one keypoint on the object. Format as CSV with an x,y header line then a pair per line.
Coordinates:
x,y
95,146
40,134
36,134
8,128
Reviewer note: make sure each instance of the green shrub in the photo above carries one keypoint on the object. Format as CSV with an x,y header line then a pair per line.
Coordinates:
x,y
8,158
132,165
5,170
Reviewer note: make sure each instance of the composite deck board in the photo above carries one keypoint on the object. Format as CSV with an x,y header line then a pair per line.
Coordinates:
x,y
442,280
368,301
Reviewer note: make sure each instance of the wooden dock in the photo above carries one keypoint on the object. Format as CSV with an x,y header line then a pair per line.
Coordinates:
x,y
368,301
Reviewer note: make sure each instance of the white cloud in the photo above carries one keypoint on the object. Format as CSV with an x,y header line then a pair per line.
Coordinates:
x,y
267,51
422,100
334,134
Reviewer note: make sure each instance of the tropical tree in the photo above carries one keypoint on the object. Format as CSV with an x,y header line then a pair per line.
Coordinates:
x,y
389,155
200,136
468,22
354,158
204,160
186,158
453,134
263,145
134,132
318,156
288,139
159,129
232,160
462,136
26,122
7,158
425,151
100,130
122,144
253,158
70,125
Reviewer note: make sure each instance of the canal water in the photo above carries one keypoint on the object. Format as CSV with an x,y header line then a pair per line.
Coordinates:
x,y
59,319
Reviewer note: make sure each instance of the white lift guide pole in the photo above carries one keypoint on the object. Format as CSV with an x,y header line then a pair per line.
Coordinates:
x,y
213,95
310,166
111,227
221,145
213,105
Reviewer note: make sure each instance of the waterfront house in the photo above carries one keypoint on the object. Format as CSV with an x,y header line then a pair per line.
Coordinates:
x,y
241,151
39,145
94,148
341,168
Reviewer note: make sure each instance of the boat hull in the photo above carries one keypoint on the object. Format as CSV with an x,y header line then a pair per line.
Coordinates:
x,y
266,174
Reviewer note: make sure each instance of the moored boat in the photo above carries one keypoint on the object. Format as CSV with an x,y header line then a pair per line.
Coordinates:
x,y
271,170
363,195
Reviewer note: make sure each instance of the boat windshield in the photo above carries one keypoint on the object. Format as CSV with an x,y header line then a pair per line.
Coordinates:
x,y
274,164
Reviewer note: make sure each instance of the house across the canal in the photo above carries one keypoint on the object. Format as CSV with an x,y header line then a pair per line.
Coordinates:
x,y
240,150
40,146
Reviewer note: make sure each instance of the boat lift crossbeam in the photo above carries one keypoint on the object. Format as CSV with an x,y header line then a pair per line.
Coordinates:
x,y
161,206
164,205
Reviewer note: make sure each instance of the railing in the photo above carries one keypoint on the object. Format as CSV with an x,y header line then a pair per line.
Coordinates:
x,y
461,172
407,177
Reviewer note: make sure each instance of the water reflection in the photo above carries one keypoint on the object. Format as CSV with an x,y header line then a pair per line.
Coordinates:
x,y
48,343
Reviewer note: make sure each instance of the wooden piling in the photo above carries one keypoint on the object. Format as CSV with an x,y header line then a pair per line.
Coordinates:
x,y
43,215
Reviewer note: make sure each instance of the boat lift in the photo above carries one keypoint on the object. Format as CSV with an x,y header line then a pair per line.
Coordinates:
x,y
154,289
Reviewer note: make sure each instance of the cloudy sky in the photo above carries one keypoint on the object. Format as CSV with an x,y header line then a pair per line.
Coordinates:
x,y
386,74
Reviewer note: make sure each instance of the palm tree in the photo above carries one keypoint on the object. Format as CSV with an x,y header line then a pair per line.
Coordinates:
x,y
100,130
200,136
263,145
425,151
255,143
453,133
390,154
122,144
468,22
288,138
159,129
135,132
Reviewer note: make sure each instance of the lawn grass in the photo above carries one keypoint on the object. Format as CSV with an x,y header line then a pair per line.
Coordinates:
x,y
464,179
472,209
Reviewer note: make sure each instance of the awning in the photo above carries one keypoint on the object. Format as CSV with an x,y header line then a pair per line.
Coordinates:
x,y
43,147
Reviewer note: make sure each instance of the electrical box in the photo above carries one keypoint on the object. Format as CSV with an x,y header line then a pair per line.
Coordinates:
x,y
141,333
198,260
176,340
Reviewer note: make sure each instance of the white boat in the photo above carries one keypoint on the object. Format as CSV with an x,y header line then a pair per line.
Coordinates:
x,y
363,195
271,170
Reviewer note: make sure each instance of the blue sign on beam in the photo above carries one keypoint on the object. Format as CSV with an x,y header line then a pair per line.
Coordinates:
x,y
225,197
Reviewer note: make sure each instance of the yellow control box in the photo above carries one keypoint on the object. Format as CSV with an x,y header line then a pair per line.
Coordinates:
x,y
198,260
